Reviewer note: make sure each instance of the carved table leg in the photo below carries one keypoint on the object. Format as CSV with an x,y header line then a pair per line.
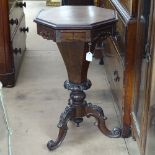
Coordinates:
x,y
62,125
101,62
77,109
97,112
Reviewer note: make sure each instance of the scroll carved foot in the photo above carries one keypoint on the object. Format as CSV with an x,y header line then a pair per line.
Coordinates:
x,y
97,112
62,125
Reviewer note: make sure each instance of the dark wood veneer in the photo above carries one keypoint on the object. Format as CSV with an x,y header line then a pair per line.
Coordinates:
x,y
6,60
12,41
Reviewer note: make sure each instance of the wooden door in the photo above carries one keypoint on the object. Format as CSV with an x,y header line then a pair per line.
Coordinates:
x,y
150,133
142,69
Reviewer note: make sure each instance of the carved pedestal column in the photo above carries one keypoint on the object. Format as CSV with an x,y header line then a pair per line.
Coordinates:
x,y
77,109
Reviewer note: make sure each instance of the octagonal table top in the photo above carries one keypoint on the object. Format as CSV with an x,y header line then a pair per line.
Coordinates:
x,y
76,17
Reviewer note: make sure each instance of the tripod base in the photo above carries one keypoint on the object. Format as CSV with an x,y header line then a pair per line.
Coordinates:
x,y
77,109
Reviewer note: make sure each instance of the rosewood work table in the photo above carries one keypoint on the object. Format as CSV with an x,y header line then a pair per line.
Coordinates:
x,y
76,29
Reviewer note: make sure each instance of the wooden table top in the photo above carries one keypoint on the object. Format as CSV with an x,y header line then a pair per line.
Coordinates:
x,y
75,17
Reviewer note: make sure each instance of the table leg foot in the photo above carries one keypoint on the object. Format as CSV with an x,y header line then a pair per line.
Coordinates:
x,y
77,121
126,131
97,112
101,62
62,125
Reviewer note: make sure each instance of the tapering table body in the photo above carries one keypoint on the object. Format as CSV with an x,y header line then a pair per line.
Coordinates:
x,y
73,28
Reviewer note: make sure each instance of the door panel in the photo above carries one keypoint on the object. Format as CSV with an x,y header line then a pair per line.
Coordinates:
x,y
140,106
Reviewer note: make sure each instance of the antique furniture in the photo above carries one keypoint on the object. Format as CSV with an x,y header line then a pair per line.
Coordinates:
x,y
12,39
76,29
121,50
